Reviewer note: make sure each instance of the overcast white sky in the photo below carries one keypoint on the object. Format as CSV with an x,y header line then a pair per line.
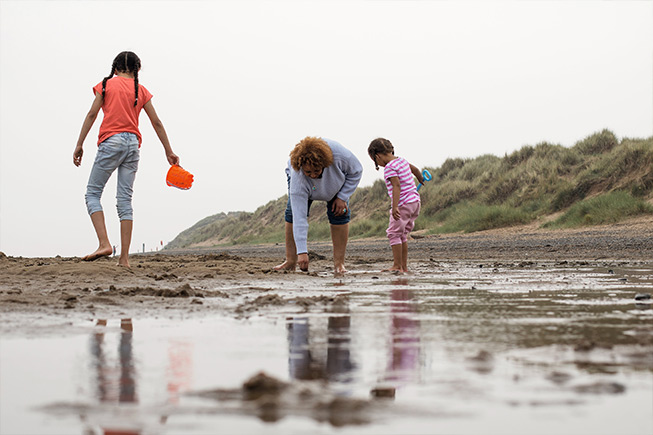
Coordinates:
x,y
239,83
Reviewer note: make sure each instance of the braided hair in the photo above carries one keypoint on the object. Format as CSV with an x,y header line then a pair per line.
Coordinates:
x,y
380,146
125,62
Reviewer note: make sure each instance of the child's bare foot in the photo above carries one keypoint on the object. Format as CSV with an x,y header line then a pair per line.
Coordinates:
x,y
99,253
340,270
394,269
286,265
124,264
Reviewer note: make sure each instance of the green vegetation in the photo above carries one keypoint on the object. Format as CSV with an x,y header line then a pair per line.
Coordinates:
x,y
603,209
599,180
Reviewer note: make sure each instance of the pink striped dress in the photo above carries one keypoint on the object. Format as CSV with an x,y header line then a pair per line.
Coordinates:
x,y
400,168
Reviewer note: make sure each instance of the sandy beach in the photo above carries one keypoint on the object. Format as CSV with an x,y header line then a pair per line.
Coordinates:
x,y
179,280
498,325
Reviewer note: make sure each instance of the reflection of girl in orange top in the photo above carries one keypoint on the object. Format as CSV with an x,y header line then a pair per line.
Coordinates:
x,y
121,99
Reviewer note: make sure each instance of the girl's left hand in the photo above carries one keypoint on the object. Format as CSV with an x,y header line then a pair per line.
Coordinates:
x,y
395,214
173,159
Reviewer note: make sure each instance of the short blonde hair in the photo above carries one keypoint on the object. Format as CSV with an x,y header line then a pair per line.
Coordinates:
x,y
313,151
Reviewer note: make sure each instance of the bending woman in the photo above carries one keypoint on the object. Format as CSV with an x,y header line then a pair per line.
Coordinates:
x,y
319,170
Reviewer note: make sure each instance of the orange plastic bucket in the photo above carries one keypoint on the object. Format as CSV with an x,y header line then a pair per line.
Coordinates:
x,y
179,177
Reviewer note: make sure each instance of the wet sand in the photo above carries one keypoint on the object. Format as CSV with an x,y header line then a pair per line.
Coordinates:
x,y
489,328
179,280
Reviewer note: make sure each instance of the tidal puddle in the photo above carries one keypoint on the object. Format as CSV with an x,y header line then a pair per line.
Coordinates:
x,y
494,349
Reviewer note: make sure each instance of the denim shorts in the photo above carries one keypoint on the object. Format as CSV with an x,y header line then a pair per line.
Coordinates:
x,y
120,152
333,219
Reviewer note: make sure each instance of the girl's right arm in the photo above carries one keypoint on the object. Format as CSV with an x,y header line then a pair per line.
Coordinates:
x,y
157,124
86,127
417,173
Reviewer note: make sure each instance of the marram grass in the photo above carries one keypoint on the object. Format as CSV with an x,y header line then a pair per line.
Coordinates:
x,y
598,180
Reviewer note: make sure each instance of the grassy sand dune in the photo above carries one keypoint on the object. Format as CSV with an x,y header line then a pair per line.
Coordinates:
x,y
600,180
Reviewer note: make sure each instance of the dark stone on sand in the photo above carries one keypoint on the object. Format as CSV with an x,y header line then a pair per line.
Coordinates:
x,y
601,388
559,377
584,346
262,384
383,393
482,356
642,296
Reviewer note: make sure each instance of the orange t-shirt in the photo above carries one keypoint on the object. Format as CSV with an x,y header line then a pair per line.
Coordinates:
x,y
120,115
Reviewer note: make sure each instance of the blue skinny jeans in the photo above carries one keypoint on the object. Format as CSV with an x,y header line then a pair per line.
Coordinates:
x,y
120,152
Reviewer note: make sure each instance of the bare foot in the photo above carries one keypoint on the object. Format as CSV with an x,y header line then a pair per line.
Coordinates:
x,y
124,264
286,265
393,269
101,252
339,270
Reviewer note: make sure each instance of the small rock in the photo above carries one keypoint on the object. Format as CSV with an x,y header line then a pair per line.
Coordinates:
x,y
601,388
585,346
383,392
482,356
261,384
642,296
559,377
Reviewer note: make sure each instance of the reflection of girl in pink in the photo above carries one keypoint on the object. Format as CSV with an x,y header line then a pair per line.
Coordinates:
x,y
405,336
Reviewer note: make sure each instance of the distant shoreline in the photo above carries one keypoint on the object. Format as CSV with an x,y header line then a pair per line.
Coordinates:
x,y
628,240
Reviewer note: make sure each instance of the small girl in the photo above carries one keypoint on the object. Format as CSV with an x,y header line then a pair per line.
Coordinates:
x,y
405,199
121,99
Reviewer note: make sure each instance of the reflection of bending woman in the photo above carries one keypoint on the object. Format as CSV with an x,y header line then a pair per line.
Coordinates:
x,y
319,170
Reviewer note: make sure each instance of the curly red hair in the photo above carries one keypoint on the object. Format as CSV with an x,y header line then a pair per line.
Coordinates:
x,y
313,151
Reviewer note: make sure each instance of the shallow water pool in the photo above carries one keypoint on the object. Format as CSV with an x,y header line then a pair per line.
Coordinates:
x,y
494,349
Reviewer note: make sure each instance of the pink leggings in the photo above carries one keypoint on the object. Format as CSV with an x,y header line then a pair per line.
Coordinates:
x,y
398,229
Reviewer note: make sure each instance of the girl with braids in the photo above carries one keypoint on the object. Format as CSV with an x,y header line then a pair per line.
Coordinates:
x,y
121,99
398,174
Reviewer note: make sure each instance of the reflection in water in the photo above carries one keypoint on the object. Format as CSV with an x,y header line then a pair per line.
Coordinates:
x,y
404,359
115,383
180,369
307,341
568,348
306,359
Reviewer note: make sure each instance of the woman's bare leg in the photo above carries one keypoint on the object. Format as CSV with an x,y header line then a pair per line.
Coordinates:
x,y
339,238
